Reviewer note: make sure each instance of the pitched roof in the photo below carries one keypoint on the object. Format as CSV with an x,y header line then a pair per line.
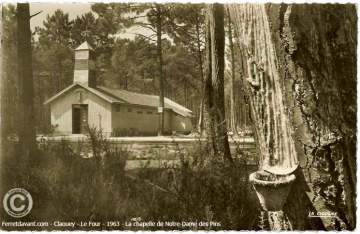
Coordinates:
x,y
84,46
122,96
92,90
145,99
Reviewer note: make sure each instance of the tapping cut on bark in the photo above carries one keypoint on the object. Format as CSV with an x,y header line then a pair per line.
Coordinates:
x,y
264,89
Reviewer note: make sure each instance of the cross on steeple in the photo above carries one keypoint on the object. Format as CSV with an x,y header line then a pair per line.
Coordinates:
x,y
86,34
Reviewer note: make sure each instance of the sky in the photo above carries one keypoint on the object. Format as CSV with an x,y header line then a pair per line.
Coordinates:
x,y
74,10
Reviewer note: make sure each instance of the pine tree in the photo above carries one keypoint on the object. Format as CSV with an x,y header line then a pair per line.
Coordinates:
x,y
26,85
214,81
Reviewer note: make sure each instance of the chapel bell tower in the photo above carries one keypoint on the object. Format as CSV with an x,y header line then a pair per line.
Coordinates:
x,y
84,71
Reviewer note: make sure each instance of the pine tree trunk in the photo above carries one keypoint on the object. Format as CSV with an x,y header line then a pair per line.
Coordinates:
x,y
233,121
26,86
200,125
160,68
214,81
59,68
2,97
297,116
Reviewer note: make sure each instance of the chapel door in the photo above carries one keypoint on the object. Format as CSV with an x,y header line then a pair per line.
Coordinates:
x,y
80,118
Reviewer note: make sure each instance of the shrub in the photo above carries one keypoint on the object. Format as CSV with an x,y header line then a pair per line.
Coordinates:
x,y
66,186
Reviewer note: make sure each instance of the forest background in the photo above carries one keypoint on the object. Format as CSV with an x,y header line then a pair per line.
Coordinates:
x,y
124,37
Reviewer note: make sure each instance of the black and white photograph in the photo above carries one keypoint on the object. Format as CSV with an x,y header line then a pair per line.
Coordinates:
x,y
178,116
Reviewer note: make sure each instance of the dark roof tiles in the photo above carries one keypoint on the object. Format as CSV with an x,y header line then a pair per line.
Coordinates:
x,y
145,99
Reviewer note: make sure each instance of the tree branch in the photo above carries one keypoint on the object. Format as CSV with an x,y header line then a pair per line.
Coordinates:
x,y
146,37
35,14
136,17
144,25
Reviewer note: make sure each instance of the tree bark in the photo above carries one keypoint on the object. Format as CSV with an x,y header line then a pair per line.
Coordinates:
x,y
2,97
201,67
26,87
264,90
59,76
160,68
214,81
298,113
208,100
233,122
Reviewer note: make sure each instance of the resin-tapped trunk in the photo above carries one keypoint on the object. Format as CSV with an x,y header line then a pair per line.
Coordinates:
x,y
264,87
300,71
274,133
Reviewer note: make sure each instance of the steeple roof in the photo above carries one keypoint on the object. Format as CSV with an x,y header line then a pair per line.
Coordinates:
x,y
84,46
